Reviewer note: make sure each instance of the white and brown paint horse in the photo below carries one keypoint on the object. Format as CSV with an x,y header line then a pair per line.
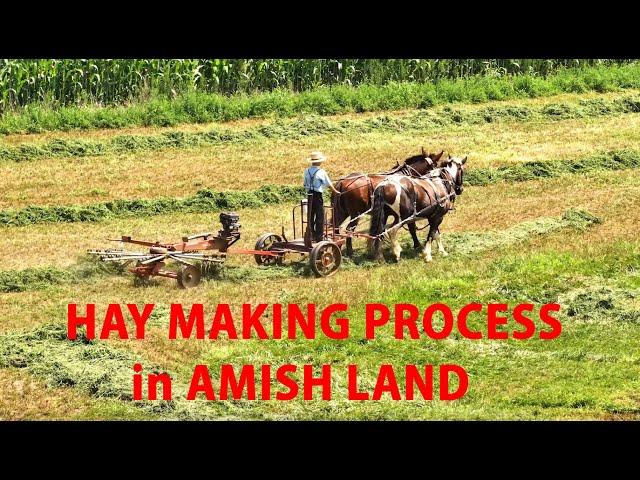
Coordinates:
x,y
356,190
408,199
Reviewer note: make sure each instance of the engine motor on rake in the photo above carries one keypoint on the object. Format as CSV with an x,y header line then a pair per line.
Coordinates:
x,y
230,225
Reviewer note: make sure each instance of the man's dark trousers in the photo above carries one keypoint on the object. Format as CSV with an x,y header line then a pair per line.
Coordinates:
x,y
316,217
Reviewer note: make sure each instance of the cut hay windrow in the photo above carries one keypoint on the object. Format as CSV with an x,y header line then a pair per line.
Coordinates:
x,y
38,278
601,304
534,170
466,243
205,201
102,371
94,368
419,122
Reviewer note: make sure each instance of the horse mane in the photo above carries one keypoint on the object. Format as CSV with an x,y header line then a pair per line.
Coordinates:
x,y
436,172
402,167
394,170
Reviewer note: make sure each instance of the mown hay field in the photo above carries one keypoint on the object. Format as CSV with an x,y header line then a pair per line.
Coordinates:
x,y
509,242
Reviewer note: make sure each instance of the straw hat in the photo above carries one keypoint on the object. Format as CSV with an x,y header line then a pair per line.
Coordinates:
x,y
316,157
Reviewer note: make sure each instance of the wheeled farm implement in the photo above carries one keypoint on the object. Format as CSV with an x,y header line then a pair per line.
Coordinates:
x,y
325,256
196,251
191,253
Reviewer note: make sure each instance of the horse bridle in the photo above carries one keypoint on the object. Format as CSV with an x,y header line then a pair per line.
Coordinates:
x,y
427,160
407,169
411,169
456,184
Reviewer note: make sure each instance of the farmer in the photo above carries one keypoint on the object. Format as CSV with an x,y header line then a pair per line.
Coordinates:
x,y
315,181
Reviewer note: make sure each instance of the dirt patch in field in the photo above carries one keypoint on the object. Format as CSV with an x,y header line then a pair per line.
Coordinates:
x,y
25,398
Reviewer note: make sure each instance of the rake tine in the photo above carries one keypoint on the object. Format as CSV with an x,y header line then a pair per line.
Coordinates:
x,y
180,260
156,258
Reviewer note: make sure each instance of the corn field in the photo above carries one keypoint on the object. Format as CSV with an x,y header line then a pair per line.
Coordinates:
x,y
113,81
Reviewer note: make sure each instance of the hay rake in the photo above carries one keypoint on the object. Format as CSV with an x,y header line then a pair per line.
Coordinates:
x,y
194,253
197,253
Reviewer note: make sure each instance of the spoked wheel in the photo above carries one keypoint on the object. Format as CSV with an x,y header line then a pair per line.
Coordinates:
x,y
188,276
264,243
325,258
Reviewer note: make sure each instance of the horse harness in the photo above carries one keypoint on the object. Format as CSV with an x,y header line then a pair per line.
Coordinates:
x,y
449,187
369,183
405,168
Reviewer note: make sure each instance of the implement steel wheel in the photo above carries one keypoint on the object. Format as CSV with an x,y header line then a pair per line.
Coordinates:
x,y
325,258
188,276
264,243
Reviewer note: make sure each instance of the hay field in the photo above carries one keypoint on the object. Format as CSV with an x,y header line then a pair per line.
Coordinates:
x,y
509,242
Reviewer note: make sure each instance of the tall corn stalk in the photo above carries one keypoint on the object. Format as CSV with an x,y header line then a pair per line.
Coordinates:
x,y
116,81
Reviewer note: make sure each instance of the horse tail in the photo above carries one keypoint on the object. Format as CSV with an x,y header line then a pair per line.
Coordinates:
x,y
339,212
378,215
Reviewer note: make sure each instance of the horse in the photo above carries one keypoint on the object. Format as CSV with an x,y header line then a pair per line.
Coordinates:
x,y
356,190
406,199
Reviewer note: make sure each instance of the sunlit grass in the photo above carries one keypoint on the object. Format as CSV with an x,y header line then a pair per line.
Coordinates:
x,y
495,206
235,167
501,373
590,371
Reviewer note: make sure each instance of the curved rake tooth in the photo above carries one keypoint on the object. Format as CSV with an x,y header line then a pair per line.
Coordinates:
x,y
118,254
210,259
155,258
180,260
119,259
193,256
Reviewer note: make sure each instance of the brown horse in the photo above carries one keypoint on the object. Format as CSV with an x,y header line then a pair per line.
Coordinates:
x,y
357,189
407,199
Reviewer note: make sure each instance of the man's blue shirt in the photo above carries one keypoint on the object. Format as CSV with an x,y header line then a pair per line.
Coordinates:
x,y
315,179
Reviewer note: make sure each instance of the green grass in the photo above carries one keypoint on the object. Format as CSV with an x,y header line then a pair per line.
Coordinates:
x,y
211,201
531,379
204,107
466,243
592,269
315,126
590,371
45,277
521,172
203,201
